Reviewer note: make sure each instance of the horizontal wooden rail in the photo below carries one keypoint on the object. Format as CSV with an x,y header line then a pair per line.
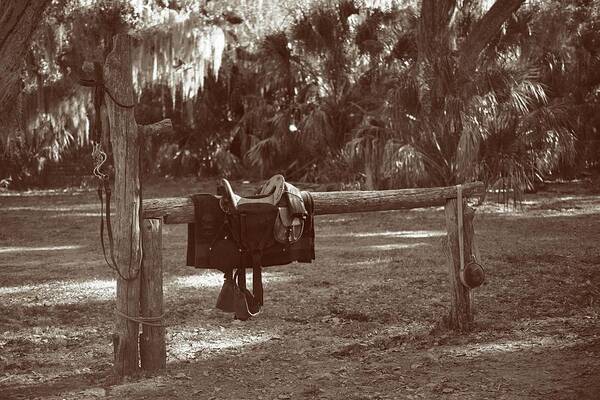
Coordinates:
x,y
180,210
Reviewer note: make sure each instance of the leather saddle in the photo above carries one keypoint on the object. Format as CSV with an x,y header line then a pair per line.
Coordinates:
x,y
273,227
277,197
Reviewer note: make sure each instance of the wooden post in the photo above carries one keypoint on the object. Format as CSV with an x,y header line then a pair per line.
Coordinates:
x,y
126,154
461,311
153,351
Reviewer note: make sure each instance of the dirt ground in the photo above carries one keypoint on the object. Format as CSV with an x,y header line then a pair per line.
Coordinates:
x,y
362,322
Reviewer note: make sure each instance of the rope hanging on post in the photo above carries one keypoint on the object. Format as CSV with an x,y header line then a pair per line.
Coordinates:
x,y
461,245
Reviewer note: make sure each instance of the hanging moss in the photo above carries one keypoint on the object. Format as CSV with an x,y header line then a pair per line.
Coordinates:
x,y
179,45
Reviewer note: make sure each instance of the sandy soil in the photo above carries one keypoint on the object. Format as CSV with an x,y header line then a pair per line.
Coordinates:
x,y
362,322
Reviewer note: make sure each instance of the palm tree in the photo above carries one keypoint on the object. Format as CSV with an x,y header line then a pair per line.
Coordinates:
x,y
439,125
565,46
305,111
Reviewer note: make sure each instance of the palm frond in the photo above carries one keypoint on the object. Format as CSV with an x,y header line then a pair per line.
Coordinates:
x,y
226,163
405,47
525,95
366,37
303,31
467,152
276,45
355,149
325,23
316,127
281,124
263,154
404,165
346,8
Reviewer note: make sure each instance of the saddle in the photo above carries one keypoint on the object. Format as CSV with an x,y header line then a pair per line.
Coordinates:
x,y
232,233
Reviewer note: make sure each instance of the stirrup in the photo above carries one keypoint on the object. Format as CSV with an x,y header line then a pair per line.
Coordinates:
x,y
245,305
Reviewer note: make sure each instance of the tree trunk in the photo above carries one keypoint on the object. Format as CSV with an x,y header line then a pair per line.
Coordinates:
x,y
484,30
436,38
435,22
18,21
370,167
124,138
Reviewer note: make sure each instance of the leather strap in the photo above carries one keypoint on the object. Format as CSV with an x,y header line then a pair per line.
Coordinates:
x,y
100,157
104,187
241,277
257,287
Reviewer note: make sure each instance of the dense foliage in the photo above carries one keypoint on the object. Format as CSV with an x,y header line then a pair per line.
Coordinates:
x,y
349,95
336,90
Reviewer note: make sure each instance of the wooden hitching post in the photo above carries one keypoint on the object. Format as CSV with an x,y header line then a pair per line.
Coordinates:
x,y
461,310
126,154
152,339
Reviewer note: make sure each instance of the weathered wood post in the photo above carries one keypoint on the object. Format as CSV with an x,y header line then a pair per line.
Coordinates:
x,y
461,308
139,282
152,339
126,155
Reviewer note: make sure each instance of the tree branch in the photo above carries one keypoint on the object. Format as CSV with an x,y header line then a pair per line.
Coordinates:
x,y
485,29
159,128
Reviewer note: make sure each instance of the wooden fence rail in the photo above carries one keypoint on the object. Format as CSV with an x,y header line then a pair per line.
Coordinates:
x,y
180,210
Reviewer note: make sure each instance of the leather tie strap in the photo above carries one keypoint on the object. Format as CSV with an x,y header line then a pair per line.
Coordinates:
x,y
257,288
241,277
105,187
